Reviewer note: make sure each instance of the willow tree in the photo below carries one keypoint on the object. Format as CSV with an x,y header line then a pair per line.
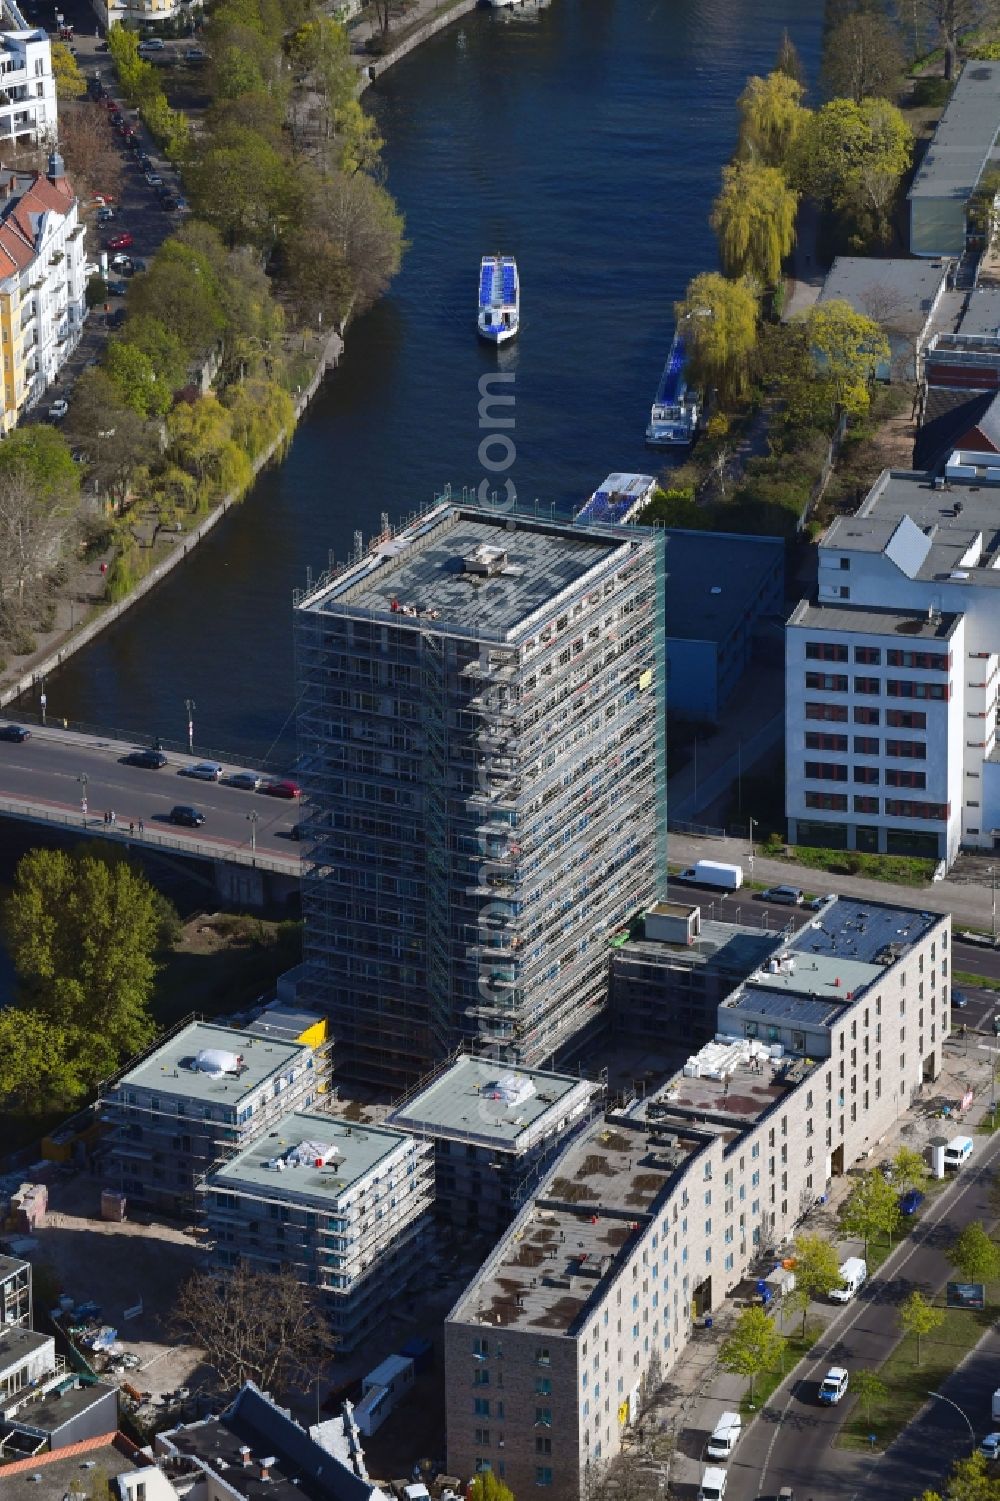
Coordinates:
x,y
771,115
754,218
719,322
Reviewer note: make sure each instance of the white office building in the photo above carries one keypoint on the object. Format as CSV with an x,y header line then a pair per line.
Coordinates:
x,y
28,111
891,676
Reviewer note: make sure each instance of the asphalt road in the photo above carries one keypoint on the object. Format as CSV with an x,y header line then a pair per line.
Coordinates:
x,y
48,767
791,1443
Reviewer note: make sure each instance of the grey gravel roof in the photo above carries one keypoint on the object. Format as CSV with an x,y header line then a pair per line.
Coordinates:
x,y
965,136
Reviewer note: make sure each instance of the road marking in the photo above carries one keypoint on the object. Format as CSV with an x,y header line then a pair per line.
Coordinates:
x,y
950,1197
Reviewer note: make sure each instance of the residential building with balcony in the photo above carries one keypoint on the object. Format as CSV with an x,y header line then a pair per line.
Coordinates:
x,y
200,1095
657,1212
345,1206
28,108
42,282
494,1127
481,746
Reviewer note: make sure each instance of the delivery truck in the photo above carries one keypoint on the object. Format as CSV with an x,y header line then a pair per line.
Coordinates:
x,y
713,873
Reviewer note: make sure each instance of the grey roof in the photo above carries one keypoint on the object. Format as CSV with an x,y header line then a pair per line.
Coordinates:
x,y
863,932
301,1467
785,1005
726,947
899,294
698,564
168,1069
17,1342
949,414
898,493
11,1265
965,136
461,1104
359,1150
863,620
58,1471
423,567
50,1413
982,312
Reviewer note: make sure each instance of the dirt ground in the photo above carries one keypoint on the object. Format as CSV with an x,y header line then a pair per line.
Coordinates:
x,y
117,1266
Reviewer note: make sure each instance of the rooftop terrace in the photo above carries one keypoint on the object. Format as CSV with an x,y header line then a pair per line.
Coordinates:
x,y
249,1061
309,1158
477,1100
429,570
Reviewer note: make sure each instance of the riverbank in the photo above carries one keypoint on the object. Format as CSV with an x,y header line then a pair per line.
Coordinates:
x,y
60,644
427,18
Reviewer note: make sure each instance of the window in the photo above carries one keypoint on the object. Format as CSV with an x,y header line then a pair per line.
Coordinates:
x,y
867,774
818,741
906,719
834,712
481,1407
904,808
906,688
481,1378
866,745
483,1437
543,1417
543,1474
826,651
866,805
542,1355
543,1445
826,771
480,1347
897,777
830,682
868,685
832,802
915,750
864,715
870,656
543,1386
933,661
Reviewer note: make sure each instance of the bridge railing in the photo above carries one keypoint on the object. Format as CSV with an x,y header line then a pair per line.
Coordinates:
x,y
129,739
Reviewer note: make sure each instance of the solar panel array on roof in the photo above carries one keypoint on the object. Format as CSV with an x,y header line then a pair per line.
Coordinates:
x,y
863,931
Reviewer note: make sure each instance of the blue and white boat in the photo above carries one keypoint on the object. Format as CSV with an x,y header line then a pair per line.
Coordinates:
x,y
673,418
499,299
621,498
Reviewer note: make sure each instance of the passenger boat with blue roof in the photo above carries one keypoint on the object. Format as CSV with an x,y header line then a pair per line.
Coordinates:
x,y
621,498
499,299
673,418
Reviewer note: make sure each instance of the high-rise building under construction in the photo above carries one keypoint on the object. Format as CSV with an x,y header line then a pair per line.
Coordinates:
x,y
481,741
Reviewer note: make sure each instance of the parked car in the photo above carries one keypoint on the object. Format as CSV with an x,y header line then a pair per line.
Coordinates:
x,y
15,732
817,903
153,759
834,1385
121,241
105,215
117,288
281,787
205,771
911,1201
248,781
152,44
184,814
123,263
169,203
58,410
154,179
145,161
785,896
959,999
990,1446
195,55
117,318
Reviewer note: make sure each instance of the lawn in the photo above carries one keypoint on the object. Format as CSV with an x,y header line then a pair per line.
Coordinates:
x,y
222,963
903,870
796,1349
975,982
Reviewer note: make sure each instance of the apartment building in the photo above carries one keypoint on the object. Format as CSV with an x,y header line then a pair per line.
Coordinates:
x,y
494,1127
42,282
481,742
346,1207
658,1211
200,1095
15,1292
28,108
891,684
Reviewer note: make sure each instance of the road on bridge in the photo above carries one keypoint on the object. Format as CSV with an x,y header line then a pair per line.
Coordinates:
x,y
48,769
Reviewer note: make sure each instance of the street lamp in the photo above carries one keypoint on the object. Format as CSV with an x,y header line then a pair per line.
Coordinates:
x,y
992,873
940,1397
83,779
253,818
750,858
43,701
190,706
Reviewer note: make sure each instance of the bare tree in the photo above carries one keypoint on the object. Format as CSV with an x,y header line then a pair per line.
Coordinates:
x,y
862,57
35,529
254,1326
950,19
92,160
887,307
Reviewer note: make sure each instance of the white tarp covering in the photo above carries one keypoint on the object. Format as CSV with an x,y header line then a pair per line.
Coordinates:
x,y
217,1061
512,1089
311,1154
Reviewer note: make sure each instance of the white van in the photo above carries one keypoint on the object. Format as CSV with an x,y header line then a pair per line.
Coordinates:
x,y
853,1274
713,873
725,1436
958,1150
713,1484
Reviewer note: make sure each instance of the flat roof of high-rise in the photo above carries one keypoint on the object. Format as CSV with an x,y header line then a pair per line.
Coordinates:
x,y
181,1065
503,1105
473,570
346,1153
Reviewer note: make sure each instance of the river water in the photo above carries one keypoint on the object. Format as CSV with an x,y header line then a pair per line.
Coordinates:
x,y
588,141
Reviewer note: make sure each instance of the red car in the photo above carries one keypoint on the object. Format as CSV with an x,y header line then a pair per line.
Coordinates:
x,y
124,241
109,103
281,788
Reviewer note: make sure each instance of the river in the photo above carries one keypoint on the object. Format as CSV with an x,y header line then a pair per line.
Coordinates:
x,y
588,141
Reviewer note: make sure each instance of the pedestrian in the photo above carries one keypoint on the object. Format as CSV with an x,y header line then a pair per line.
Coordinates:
x,y
107,816
131,827
140,828
112,818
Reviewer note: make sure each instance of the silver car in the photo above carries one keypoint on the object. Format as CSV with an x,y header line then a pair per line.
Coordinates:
x,y
205,771
248,781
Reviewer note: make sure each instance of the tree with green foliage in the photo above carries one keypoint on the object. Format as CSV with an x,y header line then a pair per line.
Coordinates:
x,y
863,58
70,82
854,158
82,932
919,1318
871,1209
259,410
869,1388
242,185
771,115
131,372
39,507
817,1271
754,218
909,1170
975,1255
162,347
970,1480
719,322
360,214
847,350
115,439
180,290
755,1346
488,1487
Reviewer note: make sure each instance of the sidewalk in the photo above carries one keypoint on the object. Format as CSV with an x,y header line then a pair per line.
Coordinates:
x,y
970,905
